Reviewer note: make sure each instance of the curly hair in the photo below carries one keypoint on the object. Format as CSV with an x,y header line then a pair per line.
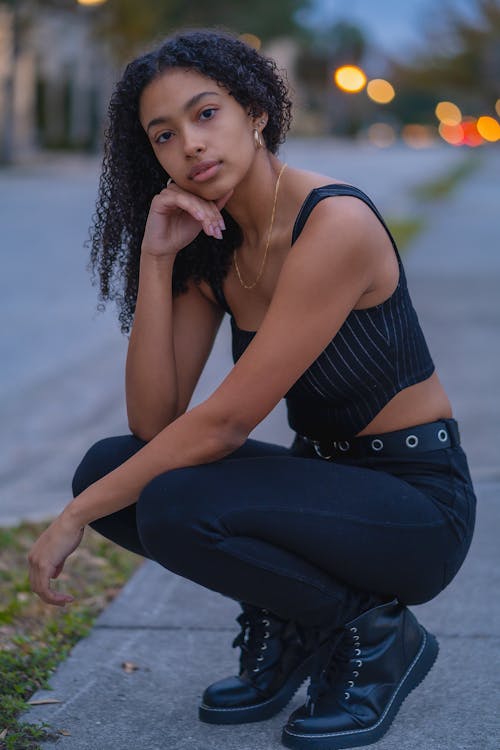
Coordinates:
x,y
131,175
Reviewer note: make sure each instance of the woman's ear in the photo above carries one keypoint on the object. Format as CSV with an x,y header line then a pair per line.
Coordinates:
x,y
259,121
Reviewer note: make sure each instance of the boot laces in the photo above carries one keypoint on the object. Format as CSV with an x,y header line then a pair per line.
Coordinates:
x,y
256,629
333,668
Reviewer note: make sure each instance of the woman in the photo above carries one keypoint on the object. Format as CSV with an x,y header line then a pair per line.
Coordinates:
x,y
372,508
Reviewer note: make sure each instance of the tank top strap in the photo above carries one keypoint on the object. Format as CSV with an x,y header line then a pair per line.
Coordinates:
x,y
326,191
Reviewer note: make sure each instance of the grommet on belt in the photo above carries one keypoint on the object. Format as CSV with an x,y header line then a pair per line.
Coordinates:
x,y
344,446
377,444
442,435
412,441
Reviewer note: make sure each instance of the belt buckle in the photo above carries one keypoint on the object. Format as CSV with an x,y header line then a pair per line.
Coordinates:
x,y
317,448
341,446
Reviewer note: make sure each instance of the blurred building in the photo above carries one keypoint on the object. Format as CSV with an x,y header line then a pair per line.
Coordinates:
x,y
55,81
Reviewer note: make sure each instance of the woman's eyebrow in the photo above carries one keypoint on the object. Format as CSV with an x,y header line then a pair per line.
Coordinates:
x,y
190,103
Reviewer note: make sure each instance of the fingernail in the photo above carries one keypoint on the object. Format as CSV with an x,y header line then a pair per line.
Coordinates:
x,y
218,233
222,223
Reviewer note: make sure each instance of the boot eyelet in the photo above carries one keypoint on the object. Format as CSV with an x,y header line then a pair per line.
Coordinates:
x,y
357,652
260,658
267,635
354,630
255,670
355,638
355,674
358,663
266,622
350,684
347,696
263,647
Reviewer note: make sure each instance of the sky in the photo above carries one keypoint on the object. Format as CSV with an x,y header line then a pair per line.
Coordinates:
x,y
393,24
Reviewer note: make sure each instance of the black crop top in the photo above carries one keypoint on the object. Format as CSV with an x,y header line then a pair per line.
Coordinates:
x,y
375,354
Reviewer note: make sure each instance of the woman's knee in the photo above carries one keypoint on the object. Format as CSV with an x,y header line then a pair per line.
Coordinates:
x,y
172,518
103,457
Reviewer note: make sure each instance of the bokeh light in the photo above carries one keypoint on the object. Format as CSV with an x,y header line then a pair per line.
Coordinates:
x,y
452,134
418,136
497,107
462,134
381,134
252,40
448,113
488,128
380,91
350,78
471,135
91,2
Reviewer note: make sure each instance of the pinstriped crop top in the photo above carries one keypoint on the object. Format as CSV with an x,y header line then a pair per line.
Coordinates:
x,y
375,354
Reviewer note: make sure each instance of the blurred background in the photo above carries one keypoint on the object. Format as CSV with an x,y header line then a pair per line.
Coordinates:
x,y
400,98
417,71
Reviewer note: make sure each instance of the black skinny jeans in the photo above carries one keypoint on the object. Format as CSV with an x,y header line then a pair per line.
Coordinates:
x,y
303,537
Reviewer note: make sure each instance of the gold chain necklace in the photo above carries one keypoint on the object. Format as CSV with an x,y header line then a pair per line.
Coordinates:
x,y
261,269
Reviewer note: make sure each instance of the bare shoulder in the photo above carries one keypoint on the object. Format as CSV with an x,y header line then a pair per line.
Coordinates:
x,y
343,209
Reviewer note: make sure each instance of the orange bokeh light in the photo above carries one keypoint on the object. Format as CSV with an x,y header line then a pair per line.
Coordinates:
x,y
453,134
380,91
350,78
251,40
448,113
489,128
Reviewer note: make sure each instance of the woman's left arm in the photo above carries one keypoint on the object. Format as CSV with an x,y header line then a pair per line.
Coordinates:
x,y
319,284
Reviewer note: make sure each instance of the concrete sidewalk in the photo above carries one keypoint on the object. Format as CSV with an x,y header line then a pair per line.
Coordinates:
x,y
179,634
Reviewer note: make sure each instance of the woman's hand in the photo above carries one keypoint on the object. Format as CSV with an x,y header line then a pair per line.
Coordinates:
x,y
48,555
176,217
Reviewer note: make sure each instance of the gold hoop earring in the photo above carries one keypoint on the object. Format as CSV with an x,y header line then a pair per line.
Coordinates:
x,y
258,139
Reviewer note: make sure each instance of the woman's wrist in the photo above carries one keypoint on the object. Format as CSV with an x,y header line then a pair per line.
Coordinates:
x,y
158,259
77,513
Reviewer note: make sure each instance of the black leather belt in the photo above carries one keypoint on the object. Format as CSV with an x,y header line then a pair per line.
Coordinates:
x,y
419,439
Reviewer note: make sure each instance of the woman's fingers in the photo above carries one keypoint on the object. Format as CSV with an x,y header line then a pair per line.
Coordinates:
x,y
40,577
206,212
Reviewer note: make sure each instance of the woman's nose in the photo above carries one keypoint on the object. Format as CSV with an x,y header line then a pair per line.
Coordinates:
x,y
193,144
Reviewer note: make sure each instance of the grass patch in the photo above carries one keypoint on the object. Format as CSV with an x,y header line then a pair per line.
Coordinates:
x,y
34,636
404,230
443,185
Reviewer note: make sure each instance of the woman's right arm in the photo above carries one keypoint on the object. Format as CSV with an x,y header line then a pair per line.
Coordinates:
x,y
171,338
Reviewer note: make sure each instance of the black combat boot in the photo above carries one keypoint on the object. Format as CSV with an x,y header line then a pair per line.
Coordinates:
x,y
276,658
374,662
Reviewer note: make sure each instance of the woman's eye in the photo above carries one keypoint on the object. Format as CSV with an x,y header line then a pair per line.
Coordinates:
x,y
163,138
207,114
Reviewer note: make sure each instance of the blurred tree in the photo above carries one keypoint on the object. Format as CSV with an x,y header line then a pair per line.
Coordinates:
x,y
130,24
460,60
321,52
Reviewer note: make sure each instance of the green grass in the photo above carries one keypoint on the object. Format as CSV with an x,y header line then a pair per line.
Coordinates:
x,y
35,637
404,230
444,185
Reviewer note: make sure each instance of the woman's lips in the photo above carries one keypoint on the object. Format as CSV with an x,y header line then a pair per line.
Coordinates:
x,y
204,171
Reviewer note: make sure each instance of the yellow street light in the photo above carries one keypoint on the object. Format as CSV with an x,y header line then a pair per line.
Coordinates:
x,y
380,91
448,113
350,78
252,40
90,2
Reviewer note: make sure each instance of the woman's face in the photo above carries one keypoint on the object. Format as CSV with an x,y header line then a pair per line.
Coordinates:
x,y
199,133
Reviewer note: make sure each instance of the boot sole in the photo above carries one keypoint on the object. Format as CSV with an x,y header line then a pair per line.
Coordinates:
x,y
259,711
418,669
